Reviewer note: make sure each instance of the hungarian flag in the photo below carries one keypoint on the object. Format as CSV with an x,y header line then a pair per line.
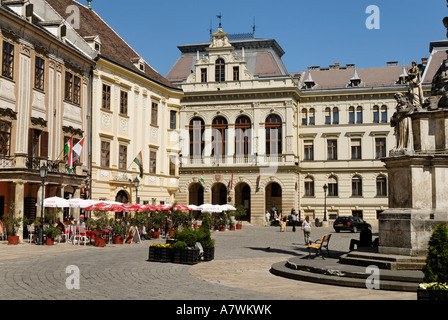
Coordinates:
x,y
231,183
259,180
139,161
69,152
202,178
77,150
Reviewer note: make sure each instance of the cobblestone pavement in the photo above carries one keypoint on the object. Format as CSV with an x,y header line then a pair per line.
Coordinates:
x,y
240,271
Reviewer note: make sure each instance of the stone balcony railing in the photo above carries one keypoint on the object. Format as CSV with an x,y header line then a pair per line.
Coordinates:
x,y
236,160
34,163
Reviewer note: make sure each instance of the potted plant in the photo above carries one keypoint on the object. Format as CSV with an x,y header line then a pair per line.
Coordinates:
x,y
119,232
156,221
51,233
99,223
13,225
435,285
203,236
187,253
160,252
239,214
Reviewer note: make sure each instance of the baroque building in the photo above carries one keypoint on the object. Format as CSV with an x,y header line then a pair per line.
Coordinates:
x,y
135,113
260,136
44,90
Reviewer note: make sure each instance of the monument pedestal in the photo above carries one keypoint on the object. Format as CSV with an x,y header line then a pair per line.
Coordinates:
x,y
418,187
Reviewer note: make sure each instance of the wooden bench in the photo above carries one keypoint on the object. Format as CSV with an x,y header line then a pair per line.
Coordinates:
x,y
319,244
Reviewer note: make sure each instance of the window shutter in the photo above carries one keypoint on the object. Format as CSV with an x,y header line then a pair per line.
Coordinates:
x,y
30,142
44,144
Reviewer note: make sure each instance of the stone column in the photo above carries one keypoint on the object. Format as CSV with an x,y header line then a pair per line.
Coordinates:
x,y
19,205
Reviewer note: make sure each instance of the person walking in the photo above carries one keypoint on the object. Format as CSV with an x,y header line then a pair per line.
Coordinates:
x,y
293,219
267,218
306,227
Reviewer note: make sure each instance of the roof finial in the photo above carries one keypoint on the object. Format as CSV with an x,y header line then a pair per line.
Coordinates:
x,y
220,17
89,4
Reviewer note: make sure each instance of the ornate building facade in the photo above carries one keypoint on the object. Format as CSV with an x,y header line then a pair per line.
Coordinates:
x,y
258,136
44,90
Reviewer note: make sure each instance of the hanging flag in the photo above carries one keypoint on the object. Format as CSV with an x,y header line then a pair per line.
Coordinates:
x,y
69,152
259,180
202,178
139,161
231,182
77,150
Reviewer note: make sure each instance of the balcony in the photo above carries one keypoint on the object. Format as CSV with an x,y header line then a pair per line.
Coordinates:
x,y
234,160
34,163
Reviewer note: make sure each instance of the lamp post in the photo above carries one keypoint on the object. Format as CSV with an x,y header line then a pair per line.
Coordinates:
x,y
325,203
136,184
43,171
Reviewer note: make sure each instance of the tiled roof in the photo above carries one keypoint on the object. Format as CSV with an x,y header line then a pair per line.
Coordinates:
x,y
113,47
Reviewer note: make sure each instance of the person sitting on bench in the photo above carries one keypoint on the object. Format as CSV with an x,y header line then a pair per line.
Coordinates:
x,y
365,238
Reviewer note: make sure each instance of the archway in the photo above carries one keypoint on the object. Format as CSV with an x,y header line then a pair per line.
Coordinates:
x,y
242,198
123,197
196,194
219,194
273,198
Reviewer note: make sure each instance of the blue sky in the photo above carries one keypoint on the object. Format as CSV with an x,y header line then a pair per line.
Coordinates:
x,y
311,32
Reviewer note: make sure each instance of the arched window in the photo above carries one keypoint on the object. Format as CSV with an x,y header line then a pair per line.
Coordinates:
x,y
243,136
273,135
351,115
220,70
359,115
304,117
309,187
381,186
332,186
356,186
384,114
312,116
196,131
335,115
219,137
327,116
376,114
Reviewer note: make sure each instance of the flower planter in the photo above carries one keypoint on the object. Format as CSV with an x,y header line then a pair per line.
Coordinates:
x,y
432,294
209,253
232,228
239,226
156,234
160,254
118,240
13,240
100,242
186,256
222,229
49,241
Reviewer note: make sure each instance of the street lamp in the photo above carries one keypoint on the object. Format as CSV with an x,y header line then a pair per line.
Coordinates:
x,y
136,184
325,203
43,171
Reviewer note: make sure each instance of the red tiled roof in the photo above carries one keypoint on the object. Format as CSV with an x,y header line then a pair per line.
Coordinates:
x,y
113,47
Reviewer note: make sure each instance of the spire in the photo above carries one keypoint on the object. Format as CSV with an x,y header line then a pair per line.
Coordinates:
x,y
89,4
309,82
355,76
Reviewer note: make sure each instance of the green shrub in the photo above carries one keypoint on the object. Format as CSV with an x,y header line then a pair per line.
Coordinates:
x,y
436,268
188,236
179,245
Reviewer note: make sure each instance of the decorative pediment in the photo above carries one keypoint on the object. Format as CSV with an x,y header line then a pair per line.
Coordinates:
x,y
8,113
39,122
73,131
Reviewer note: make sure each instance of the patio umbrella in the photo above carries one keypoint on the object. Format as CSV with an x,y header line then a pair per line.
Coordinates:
x,y
55,202
130,207
227,207
81,203
163,207
210,208
181,207
193,207
147,207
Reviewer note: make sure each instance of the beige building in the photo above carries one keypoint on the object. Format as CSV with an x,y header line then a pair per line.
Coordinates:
x,y
284,136
44,90
134,110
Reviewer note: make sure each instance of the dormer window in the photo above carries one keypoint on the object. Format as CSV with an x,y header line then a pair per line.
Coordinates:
x,y
355,81
139,63
309,82
94,42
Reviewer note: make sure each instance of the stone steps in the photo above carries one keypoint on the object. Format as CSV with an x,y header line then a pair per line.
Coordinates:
x,y
383,261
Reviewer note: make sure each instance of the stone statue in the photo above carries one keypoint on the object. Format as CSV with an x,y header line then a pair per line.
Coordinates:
x,y
403,125
438,98
415,85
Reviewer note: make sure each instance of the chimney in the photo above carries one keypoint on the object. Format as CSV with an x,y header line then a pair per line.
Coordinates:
x,y
424,61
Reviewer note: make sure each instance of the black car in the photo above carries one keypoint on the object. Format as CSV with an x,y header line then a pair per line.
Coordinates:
x,y
353,224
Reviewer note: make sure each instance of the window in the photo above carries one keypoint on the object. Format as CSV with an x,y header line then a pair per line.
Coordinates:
x,y
384,114
68,86
273,135
309,187
351,115
304,117
335,115
332,150
72,88
381,186
242,136
8,60
219,135
105,153
123,102
154,113
203,75
34,142
173,122
39,73
173,165
122,157
236,73
312,116
152,161
219,70
356,186
359,115
380,148
308,152
5,138
196,130
356,149
376,114
327,116
332,187
106,97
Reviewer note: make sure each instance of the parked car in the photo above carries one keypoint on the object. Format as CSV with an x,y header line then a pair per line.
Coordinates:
x,y
354,224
